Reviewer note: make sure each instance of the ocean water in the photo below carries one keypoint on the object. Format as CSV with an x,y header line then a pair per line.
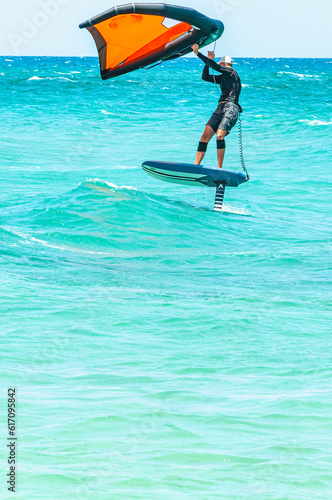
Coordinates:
x,y
159,349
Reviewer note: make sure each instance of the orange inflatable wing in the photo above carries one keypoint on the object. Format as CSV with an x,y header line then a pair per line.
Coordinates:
x,y
133,36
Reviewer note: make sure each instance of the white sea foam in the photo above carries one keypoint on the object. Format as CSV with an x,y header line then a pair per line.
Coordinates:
x,y
21,234
64,78
49,78
110,184
9,60
235,210
315,123
130,188
107,112
301,76
245,85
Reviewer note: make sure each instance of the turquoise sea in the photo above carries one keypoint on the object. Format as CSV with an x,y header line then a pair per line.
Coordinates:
x,y
159,349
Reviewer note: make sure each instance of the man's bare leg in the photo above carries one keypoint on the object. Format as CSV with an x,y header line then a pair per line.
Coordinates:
x,y
221,134
205,139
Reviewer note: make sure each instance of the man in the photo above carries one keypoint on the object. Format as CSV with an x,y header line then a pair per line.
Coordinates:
x,y
225,116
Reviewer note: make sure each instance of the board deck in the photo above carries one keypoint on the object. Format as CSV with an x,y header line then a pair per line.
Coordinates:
x,y
188,174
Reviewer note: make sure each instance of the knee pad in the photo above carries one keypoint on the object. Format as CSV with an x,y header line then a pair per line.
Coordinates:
x,y
221,144
202,147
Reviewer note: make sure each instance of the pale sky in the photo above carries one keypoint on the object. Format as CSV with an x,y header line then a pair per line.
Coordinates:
x,y
253,28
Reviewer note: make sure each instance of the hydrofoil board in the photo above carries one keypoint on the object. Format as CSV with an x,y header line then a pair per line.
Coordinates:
x,y
188,174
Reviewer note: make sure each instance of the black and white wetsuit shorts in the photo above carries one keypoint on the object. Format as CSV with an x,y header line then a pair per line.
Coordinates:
x,y
224,117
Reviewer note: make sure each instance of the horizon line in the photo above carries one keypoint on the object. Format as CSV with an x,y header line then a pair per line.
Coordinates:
x,y
183,57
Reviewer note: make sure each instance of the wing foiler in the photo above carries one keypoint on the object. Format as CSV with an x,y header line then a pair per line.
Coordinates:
x,y
137,35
